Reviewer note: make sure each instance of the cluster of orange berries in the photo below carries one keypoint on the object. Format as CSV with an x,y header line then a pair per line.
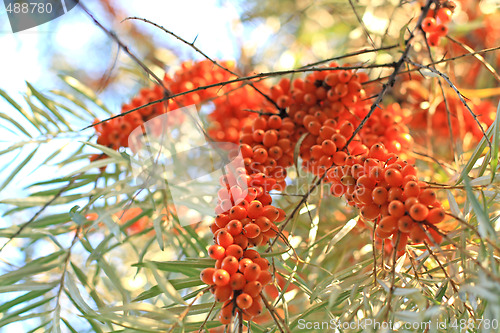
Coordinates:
x,y
436,22
386,190
245,218
115,133
231,112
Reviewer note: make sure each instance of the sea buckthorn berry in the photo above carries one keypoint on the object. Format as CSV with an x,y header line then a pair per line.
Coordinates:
x,y
274,122
427,196
251,272
222,220
393,177
254,209
230,264
221,277
418,212
255,309
417,233
379,195
244,264
237,213
224,238
241,241
223,293
433,39
235,251
251,230
396,208
216,251
429,24
441,30
405,224
395,193
370,212
265,278
328,147
260,155
237,281
253,288
262,262
411,189
234,227
244,301
444,15
251,254
388,224
207,275
264,223
436,215
409,202
270,212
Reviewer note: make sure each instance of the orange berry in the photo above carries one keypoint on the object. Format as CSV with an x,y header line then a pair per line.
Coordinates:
x,y
417,233
223,293
444,15
234,251
388,224
262,262
405,224
429,24
427,196
436,215
393,177
253,288
379,195
237,281
418,212
251,230
251,254
251,272
244,264
221,277
411,189
265,277
207,275
216,251
396,208
244,301
254,209
224,238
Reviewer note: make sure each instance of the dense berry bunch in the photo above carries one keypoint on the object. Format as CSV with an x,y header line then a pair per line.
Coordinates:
x,y
386,190
114,133
245,218
231,113
436,22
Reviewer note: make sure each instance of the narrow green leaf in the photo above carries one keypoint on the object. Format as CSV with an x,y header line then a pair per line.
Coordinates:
x,y
495,144
166,287
485,229
84,90
25,114
18,169
15,123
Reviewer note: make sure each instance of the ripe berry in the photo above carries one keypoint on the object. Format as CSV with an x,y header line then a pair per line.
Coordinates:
x,y
224,238
244,264
221,277
252,272
253,288
396,208
251,230
419,212
234,251
223,293
207,275
388,224
216,251
237,281
429,24
234,227
444,15
436,215
244,301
